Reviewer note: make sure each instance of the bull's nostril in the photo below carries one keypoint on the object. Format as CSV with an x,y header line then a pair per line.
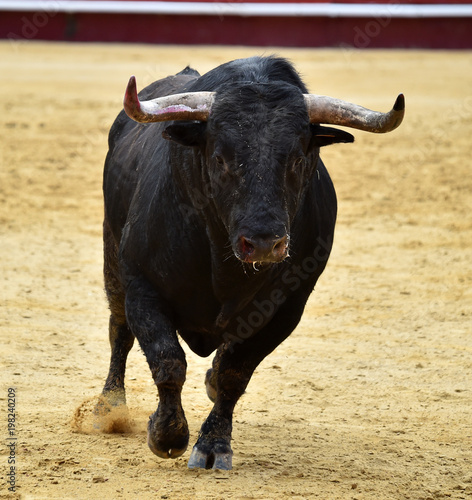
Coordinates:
x,y
281,245
246,246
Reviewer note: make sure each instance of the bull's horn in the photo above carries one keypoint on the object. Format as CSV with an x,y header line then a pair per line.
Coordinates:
x,y
188,106
328,110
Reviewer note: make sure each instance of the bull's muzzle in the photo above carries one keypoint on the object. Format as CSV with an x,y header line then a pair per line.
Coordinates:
x,y
266,249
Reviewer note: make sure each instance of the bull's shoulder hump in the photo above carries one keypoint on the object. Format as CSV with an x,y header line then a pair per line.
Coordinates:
x,y
189,71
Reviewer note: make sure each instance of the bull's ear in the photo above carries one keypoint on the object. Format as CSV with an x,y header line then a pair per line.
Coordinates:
x,y
188,134
325,136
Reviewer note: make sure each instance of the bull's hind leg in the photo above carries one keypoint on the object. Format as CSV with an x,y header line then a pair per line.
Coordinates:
x,y
120,336
121,342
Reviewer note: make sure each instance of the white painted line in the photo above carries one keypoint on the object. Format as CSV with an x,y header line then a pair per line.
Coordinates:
x,y
241,9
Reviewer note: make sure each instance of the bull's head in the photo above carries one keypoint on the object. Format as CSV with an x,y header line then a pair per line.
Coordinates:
x,y
261,142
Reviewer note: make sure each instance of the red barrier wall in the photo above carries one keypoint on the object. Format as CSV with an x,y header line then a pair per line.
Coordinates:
x,y
447,33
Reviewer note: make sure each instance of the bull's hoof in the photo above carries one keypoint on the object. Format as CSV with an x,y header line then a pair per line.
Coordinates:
x,y
167,437
162,451
210,460
210,388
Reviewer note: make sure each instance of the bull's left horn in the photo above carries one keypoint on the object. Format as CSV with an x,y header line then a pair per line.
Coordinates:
x,y
328,110
188,106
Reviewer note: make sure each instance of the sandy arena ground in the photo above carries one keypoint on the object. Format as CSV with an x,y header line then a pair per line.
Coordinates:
x,y
371,396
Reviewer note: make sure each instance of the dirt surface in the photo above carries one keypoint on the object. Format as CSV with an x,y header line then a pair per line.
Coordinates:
x,y
371,396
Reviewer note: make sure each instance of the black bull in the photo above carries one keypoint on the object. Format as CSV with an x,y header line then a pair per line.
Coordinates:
x,y
219,232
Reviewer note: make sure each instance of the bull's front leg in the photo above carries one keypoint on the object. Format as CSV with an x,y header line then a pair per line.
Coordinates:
x,y
146,315
226,382
213,447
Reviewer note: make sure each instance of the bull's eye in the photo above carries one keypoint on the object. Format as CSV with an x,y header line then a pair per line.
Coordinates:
x,y
222,166
298,164
219,161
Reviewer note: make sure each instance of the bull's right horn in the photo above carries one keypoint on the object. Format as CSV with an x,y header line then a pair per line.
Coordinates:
x,y
328,110
188,106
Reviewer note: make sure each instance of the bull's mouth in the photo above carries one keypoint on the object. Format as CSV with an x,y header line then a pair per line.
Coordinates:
x,y
260,251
